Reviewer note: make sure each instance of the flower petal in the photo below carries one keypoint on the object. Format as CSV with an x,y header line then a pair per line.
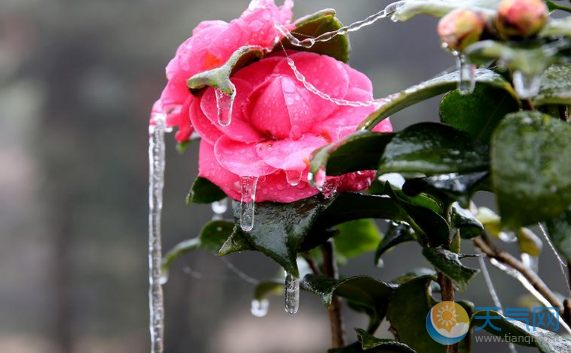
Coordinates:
x,y
240,158
210,168
205,128
275,188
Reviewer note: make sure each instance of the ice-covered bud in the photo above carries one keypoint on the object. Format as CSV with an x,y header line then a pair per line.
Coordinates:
x,y
460,28
520,18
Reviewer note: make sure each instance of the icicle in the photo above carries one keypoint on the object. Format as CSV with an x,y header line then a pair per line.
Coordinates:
x,y
380,263
562,264
156,184
219,208
530,261
467,80
225,105
260,307
526,86
291,294
310,42
248,186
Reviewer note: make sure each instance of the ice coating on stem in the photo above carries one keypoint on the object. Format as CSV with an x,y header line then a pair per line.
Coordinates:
x,y
325,37
526,86
225,105
156,185
467,80
260,307
248,185
562,264
291,294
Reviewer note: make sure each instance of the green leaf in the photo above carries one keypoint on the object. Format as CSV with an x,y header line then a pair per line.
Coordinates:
x,y
449,264
530,168
555,87
432,148
237,242
397,233
559,229
546,341
220,76
204,191
428,89
556,27
478,113
407,311
210,238
465,221
369,341
359,151
365,293
531,60
415,273
355,238
455,187
439,8
314,25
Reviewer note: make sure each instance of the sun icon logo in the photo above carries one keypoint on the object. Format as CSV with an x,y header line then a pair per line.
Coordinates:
x,y
447,323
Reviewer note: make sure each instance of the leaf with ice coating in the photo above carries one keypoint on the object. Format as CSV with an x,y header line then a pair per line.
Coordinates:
x,y
449,264
359,151
204,191
465,222
369,341
439,8
428,89
555,86
556,27
528,168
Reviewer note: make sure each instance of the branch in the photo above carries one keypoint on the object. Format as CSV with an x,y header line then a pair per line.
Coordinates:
x,y
335,317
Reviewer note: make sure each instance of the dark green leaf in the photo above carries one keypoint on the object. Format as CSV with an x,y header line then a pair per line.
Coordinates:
x,y
397,233
530,168
369,341
359,151
365,293
478,113
314,25
220,76
415,273
429,89
432,148
454,187
559,229
237,242
355,238
204,191
546,341
211,238
449,264
555,86
465,221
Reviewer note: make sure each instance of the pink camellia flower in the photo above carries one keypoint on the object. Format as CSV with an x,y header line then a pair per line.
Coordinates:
x,y
277,123
211,45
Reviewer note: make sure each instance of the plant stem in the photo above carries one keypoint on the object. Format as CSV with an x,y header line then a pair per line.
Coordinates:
x,y
447,292
335,318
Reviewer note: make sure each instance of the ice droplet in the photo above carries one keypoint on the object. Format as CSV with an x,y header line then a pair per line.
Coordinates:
x,y
248,186
526,86
380,263
293,177
225,105
291,294
156,185
530,261
467,80
260,307
219,208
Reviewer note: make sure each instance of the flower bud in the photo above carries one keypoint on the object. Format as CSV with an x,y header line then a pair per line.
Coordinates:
x,y
520,18
460,28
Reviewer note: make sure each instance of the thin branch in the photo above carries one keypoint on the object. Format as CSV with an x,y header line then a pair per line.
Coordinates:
x,y
335,318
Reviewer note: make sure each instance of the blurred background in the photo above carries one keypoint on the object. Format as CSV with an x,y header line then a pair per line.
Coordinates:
x,y
77,81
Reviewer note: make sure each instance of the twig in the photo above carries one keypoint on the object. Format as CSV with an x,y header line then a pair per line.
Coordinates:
x,y
311,262
335,317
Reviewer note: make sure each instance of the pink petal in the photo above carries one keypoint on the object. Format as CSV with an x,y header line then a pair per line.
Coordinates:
x,y
205,128
358,79
240,129
240,158
208,24
258,72
209,168
275,188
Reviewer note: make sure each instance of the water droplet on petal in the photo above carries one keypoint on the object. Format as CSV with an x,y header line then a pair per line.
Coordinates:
x,y
247,202
293,177
291,294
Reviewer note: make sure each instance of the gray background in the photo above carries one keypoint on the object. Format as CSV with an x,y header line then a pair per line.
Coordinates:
x,y
77,82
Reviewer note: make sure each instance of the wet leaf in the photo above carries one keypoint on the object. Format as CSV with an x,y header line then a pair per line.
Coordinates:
x,y
556,27
528,168
365,293
220,76
428,89
314,25
449,264
439,8
464,220
478,113
204,191
359,151
546,341
397,233
369,341
555,87
210,238
415,273
236,243
355,238
432,148
559,229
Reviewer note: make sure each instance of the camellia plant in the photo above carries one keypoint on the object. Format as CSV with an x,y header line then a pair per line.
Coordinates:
x,y
292,134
